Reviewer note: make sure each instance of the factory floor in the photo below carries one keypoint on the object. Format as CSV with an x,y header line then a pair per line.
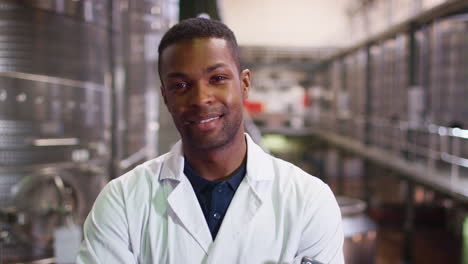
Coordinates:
x,y
431,245
432,242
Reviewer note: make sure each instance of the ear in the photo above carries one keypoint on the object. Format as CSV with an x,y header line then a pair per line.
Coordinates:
x,y
245,83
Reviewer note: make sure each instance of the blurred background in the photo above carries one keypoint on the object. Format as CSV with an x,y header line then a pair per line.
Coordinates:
x,y
371,96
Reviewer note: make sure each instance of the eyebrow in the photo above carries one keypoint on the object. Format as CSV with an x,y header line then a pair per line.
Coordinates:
x,y
176,75
207,70
214,67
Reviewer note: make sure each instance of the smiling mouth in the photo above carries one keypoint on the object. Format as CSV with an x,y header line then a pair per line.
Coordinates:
x,y
207,120
204,121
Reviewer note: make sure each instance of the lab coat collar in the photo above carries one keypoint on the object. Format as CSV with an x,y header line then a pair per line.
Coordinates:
x,y
258,168
173,164
246,202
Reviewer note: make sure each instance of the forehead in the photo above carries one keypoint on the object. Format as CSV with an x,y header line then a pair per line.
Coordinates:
x,y
196,53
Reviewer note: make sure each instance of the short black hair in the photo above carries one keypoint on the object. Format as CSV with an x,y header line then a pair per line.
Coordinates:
x,y
199,28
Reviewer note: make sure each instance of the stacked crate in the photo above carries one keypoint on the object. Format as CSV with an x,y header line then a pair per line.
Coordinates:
x,y
389,82
326,117
387,120
449,78
319,103
449,75
349,63
418,95
356,64
399,91
368,18
335,92
422,64
377,68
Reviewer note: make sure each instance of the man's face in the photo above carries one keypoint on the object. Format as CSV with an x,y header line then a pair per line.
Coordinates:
x,y
204,91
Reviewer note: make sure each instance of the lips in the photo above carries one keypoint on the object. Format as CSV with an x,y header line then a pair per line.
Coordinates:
x,y
202,119
207,120
203,124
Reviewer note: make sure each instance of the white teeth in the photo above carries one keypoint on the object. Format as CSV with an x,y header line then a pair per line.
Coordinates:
x,y
208,120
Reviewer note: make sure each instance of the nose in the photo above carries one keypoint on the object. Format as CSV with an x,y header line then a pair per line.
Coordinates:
x,y
201,95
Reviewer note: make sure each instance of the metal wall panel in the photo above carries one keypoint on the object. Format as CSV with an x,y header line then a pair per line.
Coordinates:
x,y
54,119
78,103
142,26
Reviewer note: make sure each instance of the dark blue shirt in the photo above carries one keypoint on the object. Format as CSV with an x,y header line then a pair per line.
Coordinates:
x,y
215,196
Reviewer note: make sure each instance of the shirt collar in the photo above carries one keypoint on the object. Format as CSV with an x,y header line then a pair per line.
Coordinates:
x,y
200,183
259,165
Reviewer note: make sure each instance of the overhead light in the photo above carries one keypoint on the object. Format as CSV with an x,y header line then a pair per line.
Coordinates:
x,y
461,133
155,10
56,142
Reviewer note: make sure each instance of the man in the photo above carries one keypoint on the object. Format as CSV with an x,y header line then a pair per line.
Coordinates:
x,y
216,197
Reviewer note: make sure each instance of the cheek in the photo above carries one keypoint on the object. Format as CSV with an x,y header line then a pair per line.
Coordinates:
x,y
174,112
232,96
173,104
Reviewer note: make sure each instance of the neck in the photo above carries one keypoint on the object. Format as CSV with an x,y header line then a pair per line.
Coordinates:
x,y
218,163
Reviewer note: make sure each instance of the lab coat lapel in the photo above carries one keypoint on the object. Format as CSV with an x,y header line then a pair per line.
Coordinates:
x,y
183,202
182,199
246,203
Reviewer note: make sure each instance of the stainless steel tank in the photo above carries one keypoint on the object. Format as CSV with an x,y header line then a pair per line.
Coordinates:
x,y
54,119
142,26
78,102
360,232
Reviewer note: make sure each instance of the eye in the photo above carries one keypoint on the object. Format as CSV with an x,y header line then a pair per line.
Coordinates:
x,y
218,79
179,86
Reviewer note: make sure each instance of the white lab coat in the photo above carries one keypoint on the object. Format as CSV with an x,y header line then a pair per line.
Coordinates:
x,y
278,214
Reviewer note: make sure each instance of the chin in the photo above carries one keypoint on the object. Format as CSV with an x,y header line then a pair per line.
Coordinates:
x,y
210,142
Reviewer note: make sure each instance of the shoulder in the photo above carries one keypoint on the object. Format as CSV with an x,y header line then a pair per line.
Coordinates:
x,y
263,166
139,183
313,206
303,193
290,184
147,173
289,175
